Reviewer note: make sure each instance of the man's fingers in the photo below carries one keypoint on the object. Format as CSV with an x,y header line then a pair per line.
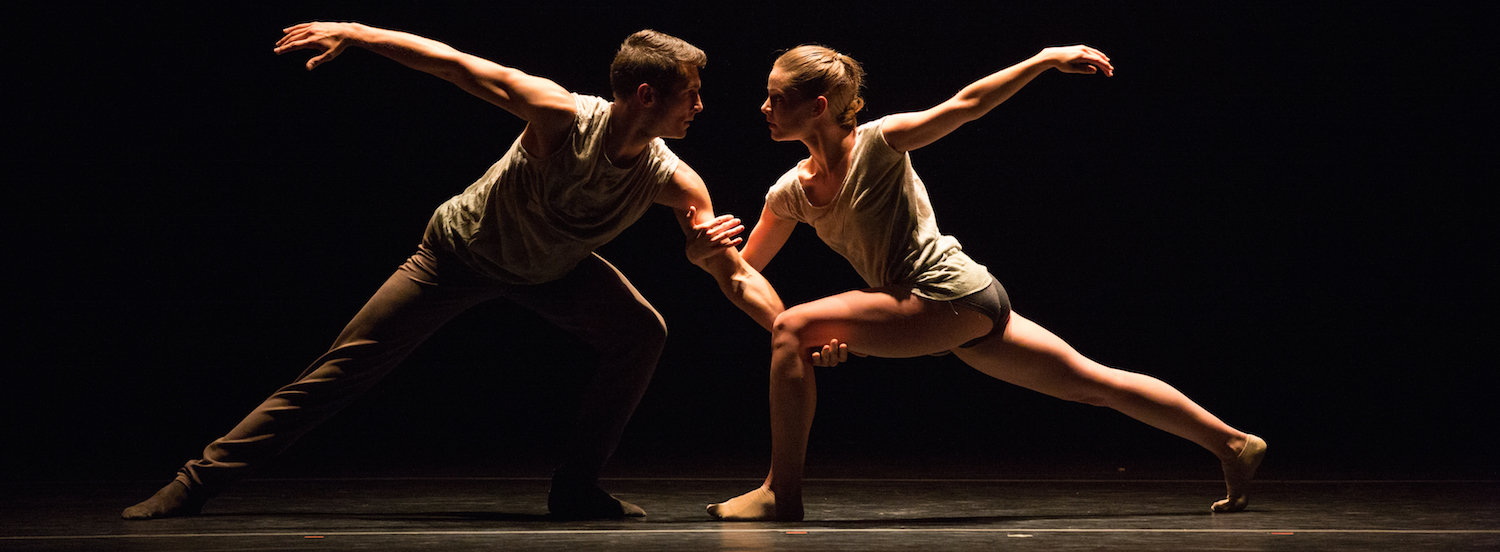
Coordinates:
x,y
286,43
300,44
318,60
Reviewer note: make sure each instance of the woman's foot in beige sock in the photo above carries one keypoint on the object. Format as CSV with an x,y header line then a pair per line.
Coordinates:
x,y
1238,472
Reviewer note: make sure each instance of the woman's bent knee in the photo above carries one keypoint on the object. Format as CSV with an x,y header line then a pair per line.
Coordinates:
x,y
788,323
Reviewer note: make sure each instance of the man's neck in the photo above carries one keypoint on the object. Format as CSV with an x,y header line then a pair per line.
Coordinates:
x,y
626,137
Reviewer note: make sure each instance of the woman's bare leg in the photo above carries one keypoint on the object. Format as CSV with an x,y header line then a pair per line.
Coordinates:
x,y
1030,356
885,324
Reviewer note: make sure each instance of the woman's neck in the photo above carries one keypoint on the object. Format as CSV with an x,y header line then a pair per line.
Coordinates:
x,y
829,148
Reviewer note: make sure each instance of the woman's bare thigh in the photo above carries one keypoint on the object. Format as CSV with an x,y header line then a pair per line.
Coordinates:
x,y
1030,356
885,323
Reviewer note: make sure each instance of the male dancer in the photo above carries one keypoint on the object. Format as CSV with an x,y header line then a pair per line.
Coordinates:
x,y
581,172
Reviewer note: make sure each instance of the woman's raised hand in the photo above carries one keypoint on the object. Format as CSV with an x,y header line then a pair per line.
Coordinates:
x,y
1080,59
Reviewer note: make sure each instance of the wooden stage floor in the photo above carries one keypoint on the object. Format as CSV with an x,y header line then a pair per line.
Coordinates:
x,y
509,513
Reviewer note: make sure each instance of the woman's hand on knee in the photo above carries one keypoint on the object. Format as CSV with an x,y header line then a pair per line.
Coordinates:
x,y
831,354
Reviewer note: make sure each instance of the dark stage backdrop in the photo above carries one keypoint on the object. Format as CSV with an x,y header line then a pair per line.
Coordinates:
x,y
1276,209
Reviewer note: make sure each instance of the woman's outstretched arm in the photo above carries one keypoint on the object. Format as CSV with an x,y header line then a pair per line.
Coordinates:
x,y
712,248
909,131
766,239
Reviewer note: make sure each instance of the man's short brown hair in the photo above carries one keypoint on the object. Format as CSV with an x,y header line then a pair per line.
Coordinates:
x,y
657,59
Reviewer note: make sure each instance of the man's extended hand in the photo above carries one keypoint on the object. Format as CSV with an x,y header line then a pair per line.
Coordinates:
x,y
329,39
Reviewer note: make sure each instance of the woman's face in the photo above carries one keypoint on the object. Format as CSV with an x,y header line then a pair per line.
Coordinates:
x,y
788,114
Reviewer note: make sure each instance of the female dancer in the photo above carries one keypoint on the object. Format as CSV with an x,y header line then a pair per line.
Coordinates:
x,y
858,190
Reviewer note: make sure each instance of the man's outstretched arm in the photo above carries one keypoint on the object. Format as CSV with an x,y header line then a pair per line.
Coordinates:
x,y
544,104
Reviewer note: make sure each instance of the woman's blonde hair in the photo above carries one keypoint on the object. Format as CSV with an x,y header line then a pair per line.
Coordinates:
x,y
813,71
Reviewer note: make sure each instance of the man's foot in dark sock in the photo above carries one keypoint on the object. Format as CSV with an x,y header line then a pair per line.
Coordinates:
x,y
588,501
173,500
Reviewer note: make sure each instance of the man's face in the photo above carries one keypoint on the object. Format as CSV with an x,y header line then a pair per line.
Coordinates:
x,y
674,111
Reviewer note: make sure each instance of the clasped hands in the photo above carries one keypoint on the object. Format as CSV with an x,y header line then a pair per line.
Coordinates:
x,y
714,235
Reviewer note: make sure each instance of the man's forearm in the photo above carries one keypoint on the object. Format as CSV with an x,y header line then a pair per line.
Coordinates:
x,y
420,53
746,288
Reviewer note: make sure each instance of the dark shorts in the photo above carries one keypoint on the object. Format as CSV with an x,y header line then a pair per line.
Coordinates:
x,y
992,302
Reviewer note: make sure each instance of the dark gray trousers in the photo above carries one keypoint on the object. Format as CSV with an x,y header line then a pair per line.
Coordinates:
x,y
594,302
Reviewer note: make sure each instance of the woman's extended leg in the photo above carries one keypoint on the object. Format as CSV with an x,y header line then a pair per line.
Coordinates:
x,y
1030,356
886,323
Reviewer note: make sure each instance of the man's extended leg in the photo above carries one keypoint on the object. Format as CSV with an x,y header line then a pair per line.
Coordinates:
x,y
412,304
599,305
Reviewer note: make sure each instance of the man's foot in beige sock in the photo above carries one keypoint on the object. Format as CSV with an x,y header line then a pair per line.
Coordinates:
x,y
1237,475
757,505
173,500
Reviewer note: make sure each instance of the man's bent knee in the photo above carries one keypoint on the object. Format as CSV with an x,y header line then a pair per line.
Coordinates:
x,y
645,334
